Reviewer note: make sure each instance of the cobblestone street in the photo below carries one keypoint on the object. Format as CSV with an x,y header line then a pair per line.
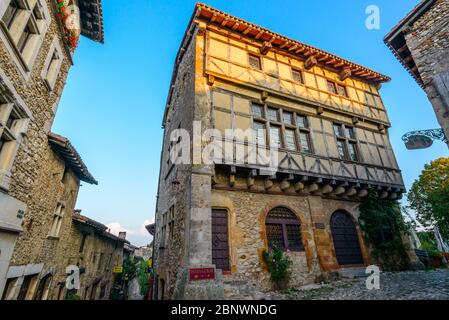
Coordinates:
x,y
418,285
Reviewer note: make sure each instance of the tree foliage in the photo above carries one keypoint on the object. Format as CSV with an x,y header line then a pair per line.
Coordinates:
x,y
383,227
429,196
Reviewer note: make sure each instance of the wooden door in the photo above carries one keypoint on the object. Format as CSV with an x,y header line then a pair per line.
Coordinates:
x,y
220,247
346,241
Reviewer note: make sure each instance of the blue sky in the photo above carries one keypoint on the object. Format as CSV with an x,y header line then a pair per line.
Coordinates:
x,y
115,95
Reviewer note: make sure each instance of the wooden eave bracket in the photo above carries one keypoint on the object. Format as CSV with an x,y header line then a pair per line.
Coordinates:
x,y
310,62
345,73
266,47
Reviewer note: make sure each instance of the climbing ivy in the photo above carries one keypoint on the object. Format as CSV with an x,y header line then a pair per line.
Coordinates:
x,y
383,227
278,264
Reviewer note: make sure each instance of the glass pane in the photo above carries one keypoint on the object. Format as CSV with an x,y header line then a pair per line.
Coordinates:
x,y
273,114
254,62
304,141
294,237
350,132
341,149
10,13
259,133
331,87
290,139
341,90
352,151
288,117
275,236
275,140
297,76
301,121
257,110
338,130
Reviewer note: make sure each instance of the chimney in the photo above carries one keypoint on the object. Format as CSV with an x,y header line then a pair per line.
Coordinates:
x,y
122,235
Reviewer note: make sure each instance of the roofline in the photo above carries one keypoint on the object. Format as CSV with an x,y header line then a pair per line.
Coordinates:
x,y
98,226
398,31
410,18
272,37
71,157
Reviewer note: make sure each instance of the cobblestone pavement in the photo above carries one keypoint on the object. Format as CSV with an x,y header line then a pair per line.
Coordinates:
x,y
417,285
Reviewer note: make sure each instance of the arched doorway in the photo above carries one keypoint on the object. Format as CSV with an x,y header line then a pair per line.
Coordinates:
x,y
345,238
283,230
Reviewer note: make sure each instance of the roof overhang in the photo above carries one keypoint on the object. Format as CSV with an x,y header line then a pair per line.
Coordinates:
x,y
70,156
91,16
97,226
395,39
277,41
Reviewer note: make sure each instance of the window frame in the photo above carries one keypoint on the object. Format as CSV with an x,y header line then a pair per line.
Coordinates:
x,y
11,132
284,222
58,217
259,59
51,69
301,75
346,139
9,35
267,123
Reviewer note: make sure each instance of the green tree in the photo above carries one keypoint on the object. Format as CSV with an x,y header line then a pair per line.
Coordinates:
x,y
383,227
429,196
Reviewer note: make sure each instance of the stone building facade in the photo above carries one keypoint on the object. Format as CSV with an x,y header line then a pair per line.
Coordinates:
x,y
96,251
420,42
37,184
313,139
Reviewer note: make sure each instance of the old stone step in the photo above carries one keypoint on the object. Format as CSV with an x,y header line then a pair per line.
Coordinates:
x,y
355,272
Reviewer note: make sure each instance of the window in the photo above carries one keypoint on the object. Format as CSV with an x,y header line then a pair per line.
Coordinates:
x,y
341,90
57,220
163,230
287,117
171,222
290,142
24,24
273,114
304,134
14,122
259,133
292,133
11,13
346,142
254,62
331,87
83,242
257,110
283,230
275,136
52,65
336,88
297,76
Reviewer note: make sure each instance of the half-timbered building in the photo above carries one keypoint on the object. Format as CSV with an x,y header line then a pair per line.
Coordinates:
x,y
320,115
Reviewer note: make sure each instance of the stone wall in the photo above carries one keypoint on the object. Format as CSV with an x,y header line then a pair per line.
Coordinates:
x,y
99,256
247,239
428,41
174,180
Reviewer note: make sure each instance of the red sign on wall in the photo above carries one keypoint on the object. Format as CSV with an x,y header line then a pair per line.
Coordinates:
x,y
201,274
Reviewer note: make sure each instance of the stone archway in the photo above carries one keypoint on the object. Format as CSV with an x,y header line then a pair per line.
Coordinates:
x,y
345,239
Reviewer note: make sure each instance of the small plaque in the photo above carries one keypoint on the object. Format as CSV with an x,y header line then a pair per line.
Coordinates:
x,y
320,226
201,274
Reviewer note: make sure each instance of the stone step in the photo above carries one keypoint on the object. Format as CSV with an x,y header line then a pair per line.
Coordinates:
x,y
354,272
